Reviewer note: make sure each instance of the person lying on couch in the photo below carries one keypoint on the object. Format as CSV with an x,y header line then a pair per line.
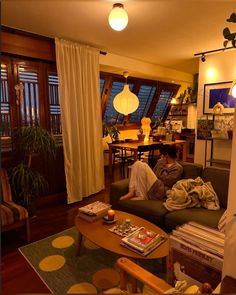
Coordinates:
x,y
146,183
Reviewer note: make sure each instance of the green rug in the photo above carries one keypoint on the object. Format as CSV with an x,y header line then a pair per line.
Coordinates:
x,y
54,260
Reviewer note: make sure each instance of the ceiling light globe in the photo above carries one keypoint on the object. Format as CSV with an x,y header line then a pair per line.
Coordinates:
x,y
118,17
126,102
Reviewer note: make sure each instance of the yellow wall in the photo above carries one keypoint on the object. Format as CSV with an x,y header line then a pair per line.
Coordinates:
x,y
219,67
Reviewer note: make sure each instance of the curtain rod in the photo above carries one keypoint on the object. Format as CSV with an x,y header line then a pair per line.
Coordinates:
x,y
214,50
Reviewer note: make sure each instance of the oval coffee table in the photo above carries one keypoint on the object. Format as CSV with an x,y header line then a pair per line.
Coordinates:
x,y
98,233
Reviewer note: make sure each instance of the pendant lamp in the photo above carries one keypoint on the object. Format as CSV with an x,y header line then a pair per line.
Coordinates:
x,y
118,17
126,102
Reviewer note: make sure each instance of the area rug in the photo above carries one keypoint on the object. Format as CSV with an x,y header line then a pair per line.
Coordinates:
x,y
54,260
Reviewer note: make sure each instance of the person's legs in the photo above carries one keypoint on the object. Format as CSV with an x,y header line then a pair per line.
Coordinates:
x,y
141,179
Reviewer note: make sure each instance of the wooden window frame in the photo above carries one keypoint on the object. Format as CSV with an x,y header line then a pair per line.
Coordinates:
x,y
138,82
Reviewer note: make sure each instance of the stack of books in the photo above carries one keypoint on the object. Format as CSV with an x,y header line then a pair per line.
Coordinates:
x,y
142,241
196,254
94,211
203,237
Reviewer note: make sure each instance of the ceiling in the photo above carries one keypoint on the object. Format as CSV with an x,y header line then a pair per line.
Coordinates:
x,y
162,32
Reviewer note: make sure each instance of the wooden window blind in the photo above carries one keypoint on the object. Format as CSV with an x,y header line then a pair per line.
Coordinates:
x,y
30,103
54,105
5,130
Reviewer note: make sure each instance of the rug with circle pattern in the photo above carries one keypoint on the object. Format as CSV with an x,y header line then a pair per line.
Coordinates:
x,y
94,271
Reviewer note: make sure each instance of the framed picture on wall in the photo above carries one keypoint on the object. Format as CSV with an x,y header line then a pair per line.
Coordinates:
x,y
218,92
204,128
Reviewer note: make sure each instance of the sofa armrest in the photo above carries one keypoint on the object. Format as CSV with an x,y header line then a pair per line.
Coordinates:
x,y
118,189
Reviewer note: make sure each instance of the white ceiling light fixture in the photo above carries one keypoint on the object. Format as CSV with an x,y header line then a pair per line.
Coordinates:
x,y
118,17
126,102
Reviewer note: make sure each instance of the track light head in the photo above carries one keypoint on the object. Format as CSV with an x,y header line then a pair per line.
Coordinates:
x,y
203,58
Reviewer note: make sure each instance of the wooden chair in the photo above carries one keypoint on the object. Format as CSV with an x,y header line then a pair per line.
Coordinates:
x,y
12,214
130,272
154,154
137,274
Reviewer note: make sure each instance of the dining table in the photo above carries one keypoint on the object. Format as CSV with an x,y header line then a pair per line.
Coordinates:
x,y
133,147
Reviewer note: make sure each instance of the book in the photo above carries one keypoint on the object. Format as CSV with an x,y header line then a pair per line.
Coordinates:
x,y
151,248
94,208
201,243
93,211
142,241
123,230
142,237
91,218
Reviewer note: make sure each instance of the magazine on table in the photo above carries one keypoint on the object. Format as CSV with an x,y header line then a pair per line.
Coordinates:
x,y
95,208
123,229
143,241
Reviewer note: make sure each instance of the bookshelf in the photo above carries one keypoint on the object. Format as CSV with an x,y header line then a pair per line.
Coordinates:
x,y
219,134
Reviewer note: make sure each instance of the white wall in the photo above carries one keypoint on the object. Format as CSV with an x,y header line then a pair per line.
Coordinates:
x,y
219,67
229,267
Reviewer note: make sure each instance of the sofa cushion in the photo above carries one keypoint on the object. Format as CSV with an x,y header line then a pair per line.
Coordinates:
x,y
191,170
150,210
11,213
219,178
201,215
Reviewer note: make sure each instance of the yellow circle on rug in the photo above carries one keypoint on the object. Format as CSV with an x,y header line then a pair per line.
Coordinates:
x,y
82,288
52,263
63,242
90,245
106,278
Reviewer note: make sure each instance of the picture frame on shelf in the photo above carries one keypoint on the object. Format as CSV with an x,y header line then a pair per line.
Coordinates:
x,y
218,92
204,128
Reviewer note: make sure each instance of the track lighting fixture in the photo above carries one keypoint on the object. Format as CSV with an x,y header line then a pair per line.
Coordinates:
x,y
203,59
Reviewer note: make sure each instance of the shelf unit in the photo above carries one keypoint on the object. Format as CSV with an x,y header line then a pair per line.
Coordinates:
x,y
212,160
178,112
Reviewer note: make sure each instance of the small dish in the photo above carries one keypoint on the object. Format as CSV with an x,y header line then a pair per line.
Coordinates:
x,y
106,220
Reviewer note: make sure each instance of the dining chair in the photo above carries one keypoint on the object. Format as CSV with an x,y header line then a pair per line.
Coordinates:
x,y
154,153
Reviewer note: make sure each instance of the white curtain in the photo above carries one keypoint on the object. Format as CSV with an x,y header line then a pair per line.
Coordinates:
x,y
78,72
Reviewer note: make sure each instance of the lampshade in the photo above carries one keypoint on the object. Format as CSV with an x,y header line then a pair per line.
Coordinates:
x,y
233,89
126,102
118,17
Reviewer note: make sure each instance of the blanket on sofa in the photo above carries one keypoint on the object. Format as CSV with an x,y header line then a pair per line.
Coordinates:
x,y
187,193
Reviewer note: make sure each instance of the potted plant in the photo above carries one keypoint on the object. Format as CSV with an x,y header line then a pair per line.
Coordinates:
x,y
26,182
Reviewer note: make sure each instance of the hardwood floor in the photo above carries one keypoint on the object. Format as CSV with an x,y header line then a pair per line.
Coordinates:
x,y
17,275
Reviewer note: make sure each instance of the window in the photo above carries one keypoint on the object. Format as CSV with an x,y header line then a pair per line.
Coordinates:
x,y
5,130
54,106
145,95
154,97
161,105
30,103
102,82
36,104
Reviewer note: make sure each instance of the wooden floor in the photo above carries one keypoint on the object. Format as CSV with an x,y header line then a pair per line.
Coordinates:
x,y
17,276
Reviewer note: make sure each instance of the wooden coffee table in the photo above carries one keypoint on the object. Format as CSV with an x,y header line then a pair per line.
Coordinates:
x,y
98,233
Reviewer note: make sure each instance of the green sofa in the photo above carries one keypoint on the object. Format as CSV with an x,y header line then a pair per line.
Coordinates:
x,y
155,212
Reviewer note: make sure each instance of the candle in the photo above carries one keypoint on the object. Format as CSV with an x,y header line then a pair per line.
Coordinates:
x,y
111,214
